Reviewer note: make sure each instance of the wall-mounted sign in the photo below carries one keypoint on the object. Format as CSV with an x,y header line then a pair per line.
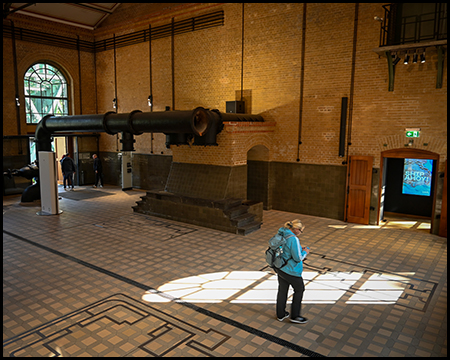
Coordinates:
x,y
412,133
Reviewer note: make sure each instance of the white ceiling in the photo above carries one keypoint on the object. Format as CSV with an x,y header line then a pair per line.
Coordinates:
x,y
85,15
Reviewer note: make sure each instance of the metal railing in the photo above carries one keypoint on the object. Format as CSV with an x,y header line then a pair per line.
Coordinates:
x,y
179,27
397,29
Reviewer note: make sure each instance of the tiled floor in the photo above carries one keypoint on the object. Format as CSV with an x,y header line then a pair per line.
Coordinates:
x,y
406,222
99,280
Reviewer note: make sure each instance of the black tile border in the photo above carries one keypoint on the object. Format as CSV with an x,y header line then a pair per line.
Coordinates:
x,y
194,307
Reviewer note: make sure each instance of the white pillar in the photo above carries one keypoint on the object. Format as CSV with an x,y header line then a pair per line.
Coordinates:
x,y
48,183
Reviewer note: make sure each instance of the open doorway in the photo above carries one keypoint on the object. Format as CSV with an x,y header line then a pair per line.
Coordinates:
x,y
59,146
407,192
258,176
60,149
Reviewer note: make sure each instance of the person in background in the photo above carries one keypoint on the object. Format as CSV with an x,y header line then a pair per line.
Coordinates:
x,y
61,161
68,169
291,273
98,171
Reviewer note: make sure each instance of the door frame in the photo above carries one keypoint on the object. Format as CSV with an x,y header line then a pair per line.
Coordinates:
x,y
443,221
410,154
60,143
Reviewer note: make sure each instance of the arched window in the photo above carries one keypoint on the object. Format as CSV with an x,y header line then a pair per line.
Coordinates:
x,y
45,92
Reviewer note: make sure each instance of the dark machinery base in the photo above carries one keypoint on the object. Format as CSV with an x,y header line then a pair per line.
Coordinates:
x,y
31,193
231,215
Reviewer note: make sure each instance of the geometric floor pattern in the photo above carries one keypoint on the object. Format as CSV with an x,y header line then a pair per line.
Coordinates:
x,y
100,280
112,321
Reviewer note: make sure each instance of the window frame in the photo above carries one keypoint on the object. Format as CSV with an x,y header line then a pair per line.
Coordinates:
x,y
395,23
58,99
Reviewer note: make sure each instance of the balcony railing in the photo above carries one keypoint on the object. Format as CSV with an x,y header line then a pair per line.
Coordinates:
x,y
397,29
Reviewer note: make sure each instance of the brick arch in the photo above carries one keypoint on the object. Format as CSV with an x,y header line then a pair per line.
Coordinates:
x,y
53,59
264,140
410,153
258,152
423,143
49,57
258,171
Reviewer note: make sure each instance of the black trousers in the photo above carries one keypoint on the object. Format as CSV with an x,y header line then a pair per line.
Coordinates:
x,y
98,178
284,280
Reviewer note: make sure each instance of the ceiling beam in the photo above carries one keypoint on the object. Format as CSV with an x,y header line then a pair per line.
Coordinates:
x,y
93,7
7,6
66,22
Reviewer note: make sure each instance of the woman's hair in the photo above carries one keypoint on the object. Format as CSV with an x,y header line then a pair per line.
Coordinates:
x,y
294,224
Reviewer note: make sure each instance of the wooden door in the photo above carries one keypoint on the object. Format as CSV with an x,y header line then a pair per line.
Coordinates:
x,y
359,185
443,223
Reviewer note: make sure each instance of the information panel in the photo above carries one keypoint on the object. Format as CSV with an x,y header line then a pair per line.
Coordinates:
x,y
417,175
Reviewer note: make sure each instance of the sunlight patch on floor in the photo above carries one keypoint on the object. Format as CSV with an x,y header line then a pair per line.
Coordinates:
x,y
261,287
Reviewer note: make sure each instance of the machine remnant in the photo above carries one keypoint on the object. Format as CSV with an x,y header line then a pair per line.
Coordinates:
x,y
29,172
180,127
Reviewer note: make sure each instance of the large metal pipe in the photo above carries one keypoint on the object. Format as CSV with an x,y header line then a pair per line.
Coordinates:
x,y
196,122
137,122
179,127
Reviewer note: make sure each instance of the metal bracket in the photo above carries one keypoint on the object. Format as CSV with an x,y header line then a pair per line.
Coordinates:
x,y
391,69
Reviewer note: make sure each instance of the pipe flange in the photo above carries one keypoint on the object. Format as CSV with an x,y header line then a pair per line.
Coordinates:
x,y
130,123
105,127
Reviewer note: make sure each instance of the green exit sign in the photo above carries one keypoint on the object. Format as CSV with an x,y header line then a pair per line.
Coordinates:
x,y
412,133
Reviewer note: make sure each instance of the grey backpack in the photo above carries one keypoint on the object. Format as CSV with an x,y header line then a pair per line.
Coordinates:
x,y
275,250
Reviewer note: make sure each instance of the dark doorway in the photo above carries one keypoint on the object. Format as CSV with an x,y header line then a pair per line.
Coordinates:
x,y
258,175
392,196
397,200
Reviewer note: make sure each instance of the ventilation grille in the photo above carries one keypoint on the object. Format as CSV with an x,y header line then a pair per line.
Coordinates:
x,y
193,24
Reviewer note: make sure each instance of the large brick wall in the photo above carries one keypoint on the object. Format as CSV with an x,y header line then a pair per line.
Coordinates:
x,y
78,72
207,67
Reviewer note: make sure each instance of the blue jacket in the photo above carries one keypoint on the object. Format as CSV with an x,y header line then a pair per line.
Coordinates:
x,y
293,252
